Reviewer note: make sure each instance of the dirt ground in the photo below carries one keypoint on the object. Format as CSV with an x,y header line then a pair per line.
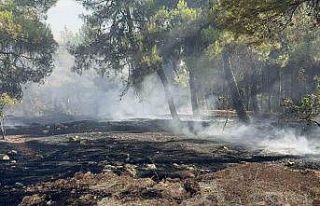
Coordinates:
x,y
243,184
150,168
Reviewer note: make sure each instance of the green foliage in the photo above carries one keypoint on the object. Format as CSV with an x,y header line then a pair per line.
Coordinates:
x,y
7,24
5,101
112,35
153,59
141,36
26,47
309,106
210,34
266,26
260,20
165,20
40,6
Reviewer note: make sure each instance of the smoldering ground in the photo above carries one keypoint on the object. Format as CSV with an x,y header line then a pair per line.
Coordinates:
x,y
266,137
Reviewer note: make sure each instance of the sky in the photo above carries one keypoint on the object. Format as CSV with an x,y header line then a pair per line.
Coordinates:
x,y
65,14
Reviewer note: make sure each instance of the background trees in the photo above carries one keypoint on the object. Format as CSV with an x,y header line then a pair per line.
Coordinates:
x,y
139,37
281,34
259,53
232,55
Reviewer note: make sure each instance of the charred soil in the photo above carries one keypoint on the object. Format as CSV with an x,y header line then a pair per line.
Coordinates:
x,y
150,168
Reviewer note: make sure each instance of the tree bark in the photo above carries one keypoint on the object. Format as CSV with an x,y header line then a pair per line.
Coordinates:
x,y
2,129
193,93
254,99
168,94
254,93
234,90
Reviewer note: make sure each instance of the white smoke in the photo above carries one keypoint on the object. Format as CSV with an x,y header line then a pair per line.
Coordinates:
x,y
92,96
267,138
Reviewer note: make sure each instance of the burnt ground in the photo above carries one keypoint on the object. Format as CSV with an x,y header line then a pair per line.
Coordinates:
x,y
137,165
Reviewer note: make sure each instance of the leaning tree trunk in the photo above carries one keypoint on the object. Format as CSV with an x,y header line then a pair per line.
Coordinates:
x,y
168,94
234,90
194,93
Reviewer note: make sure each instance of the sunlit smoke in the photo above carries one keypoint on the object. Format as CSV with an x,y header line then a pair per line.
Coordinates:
x,y
266,137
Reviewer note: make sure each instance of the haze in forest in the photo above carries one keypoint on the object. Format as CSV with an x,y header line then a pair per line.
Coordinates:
x,y
65,14
67,93
180,63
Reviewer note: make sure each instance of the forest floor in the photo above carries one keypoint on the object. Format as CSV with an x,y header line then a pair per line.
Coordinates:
x,y
150,168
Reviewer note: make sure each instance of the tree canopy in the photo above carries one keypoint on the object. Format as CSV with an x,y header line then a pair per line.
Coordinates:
x,y
26,45
262,19
249,44
135,35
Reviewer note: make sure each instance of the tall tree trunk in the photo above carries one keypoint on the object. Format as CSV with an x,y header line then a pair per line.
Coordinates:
x,y
247,93
254,86
254,98
234,90
254,93
168,94
3,133
194,93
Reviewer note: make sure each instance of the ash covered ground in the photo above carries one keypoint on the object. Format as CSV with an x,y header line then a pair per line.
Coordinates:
x,y
147,162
